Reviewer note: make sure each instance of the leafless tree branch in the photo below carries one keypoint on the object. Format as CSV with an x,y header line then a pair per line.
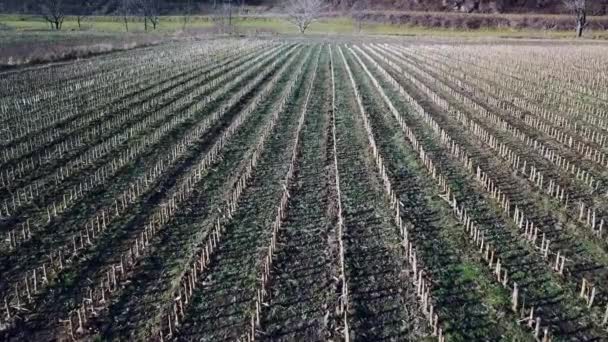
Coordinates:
x,y
52,12
150,9
302,13
579,7
125,8
187,14
357,12
84,11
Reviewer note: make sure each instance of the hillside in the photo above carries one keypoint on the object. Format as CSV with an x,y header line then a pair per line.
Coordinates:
x,y
102,7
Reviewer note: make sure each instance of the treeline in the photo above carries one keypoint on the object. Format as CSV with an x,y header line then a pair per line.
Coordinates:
x,y
481,20
110,7
595,7
103,7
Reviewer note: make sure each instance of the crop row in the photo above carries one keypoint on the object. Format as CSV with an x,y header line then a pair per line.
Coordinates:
x,y
460,155
156,173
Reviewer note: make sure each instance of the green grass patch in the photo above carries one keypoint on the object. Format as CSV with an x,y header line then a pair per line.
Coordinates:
x,y
103,24
337,25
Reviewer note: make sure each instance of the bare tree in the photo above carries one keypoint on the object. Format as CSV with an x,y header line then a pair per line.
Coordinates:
x,y
187,14
125,11
52,12
154,12
79,18
150,9
227,9
302,13
241,6
84,11
223,16
579,7
357,13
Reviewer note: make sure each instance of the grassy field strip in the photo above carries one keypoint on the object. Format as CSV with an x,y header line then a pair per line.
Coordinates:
x,y
222,307
265,258
166,210
301,295
97,129
35,30
383,291
52,186
102,218
112,169
467,161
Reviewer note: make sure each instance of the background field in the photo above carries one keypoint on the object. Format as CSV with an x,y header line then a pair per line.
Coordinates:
x,y
27,39
377,23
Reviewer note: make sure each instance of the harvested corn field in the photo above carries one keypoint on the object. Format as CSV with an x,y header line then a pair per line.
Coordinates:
x,y
283,190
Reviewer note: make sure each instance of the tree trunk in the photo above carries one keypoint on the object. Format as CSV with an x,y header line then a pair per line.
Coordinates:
x,y
126,23
146,24
581,22
78,20
579,29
